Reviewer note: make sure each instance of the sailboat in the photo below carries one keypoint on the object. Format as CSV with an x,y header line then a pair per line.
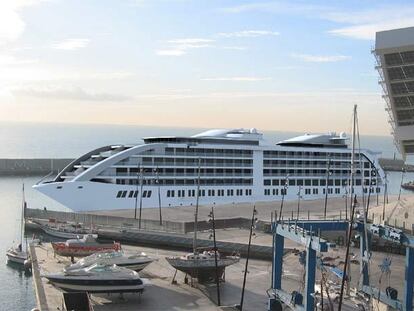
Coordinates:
x,y
16,254
205,265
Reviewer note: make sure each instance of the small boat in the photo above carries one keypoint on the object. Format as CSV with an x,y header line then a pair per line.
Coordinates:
x,y
133,261
63,232
408,186
16,254
99,279
85,246
202,265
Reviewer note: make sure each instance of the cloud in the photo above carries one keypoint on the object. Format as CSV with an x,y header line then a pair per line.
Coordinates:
x,y
12,25
244,79
360,23
248,33
321,58
172,52
237,48
73,93
10,60
71,44
179,47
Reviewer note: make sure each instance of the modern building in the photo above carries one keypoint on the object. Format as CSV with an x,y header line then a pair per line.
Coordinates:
x,y
394,51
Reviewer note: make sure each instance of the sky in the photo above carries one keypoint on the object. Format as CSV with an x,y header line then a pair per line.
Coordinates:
x,y
273,65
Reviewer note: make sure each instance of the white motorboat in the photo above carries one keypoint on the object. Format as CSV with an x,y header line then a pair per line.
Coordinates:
x,y
99,279
16,255
133,261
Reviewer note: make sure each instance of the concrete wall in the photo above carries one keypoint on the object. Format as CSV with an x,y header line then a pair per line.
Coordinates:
x,y
31,166
107,221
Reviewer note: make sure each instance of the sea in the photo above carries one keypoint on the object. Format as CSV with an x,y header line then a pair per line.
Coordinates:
x,y
31,140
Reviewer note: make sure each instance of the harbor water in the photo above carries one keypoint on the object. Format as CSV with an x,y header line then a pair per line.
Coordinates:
x,y
67,141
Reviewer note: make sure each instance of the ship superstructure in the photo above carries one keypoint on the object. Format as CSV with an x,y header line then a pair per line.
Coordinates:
x,y
235,166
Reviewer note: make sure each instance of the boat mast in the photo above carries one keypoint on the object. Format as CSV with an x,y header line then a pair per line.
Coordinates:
x,y
352,205
22,216
196,208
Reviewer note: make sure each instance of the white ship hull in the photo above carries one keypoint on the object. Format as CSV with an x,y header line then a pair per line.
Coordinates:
x,y
236,167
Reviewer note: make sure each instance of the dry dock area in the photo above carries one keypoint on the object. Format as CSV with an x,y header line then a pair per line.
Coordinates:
x,y
161,294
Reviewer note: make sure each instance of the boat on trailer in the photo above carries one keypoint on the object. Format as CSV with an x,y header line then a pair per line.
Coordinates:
x,y
99,279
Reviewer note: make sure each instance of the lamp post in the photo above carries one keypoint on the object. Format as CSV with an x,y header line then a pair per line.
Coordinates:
x,y
157,181
136,192
299,197
285,186
328,173
141,172
402,180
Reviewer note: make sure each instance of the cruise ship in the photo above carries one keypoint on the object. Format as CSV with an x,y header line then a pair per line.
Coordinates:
x,y
230,166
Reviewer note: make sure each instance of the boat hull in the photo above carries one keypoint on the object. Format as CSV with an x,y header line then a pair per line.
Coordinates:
x,y
202,270
61,249
97,286
16,258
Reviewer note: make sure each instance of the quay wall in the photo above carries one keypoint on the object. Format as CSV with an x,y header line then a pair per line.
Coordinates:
x,y
19,167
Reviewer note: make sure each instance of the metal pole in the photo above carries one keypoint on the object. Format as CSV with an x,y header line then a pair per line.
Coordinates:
x,y
136,194
297,212
402,179
140,197
215,257
247,259
283,197
159,193
327,186
385,195
196,208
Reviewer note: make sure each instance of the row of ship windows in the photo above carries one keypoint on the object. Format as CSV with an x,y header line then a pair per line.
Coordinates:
x,y
316,191
217,152
181,182
315,182
187,162
317,154
209,192
133,194
180,171
268,172
190,193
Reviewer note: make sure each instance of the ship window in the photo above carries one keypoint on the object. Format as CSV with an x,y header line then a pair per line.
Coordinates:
x,y
131,193
124,193
322,182
291,182
337,182
168,193
119,194
172,193
307,191
314,182
315,191
307,182
59,187
337,190
299,182
135,193
266,182
144,194
149,193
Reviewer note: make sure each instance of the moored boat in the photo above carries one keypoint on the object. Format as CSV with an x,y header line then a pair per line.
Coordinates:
x,y
86,246
408,186
99,279
133,261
